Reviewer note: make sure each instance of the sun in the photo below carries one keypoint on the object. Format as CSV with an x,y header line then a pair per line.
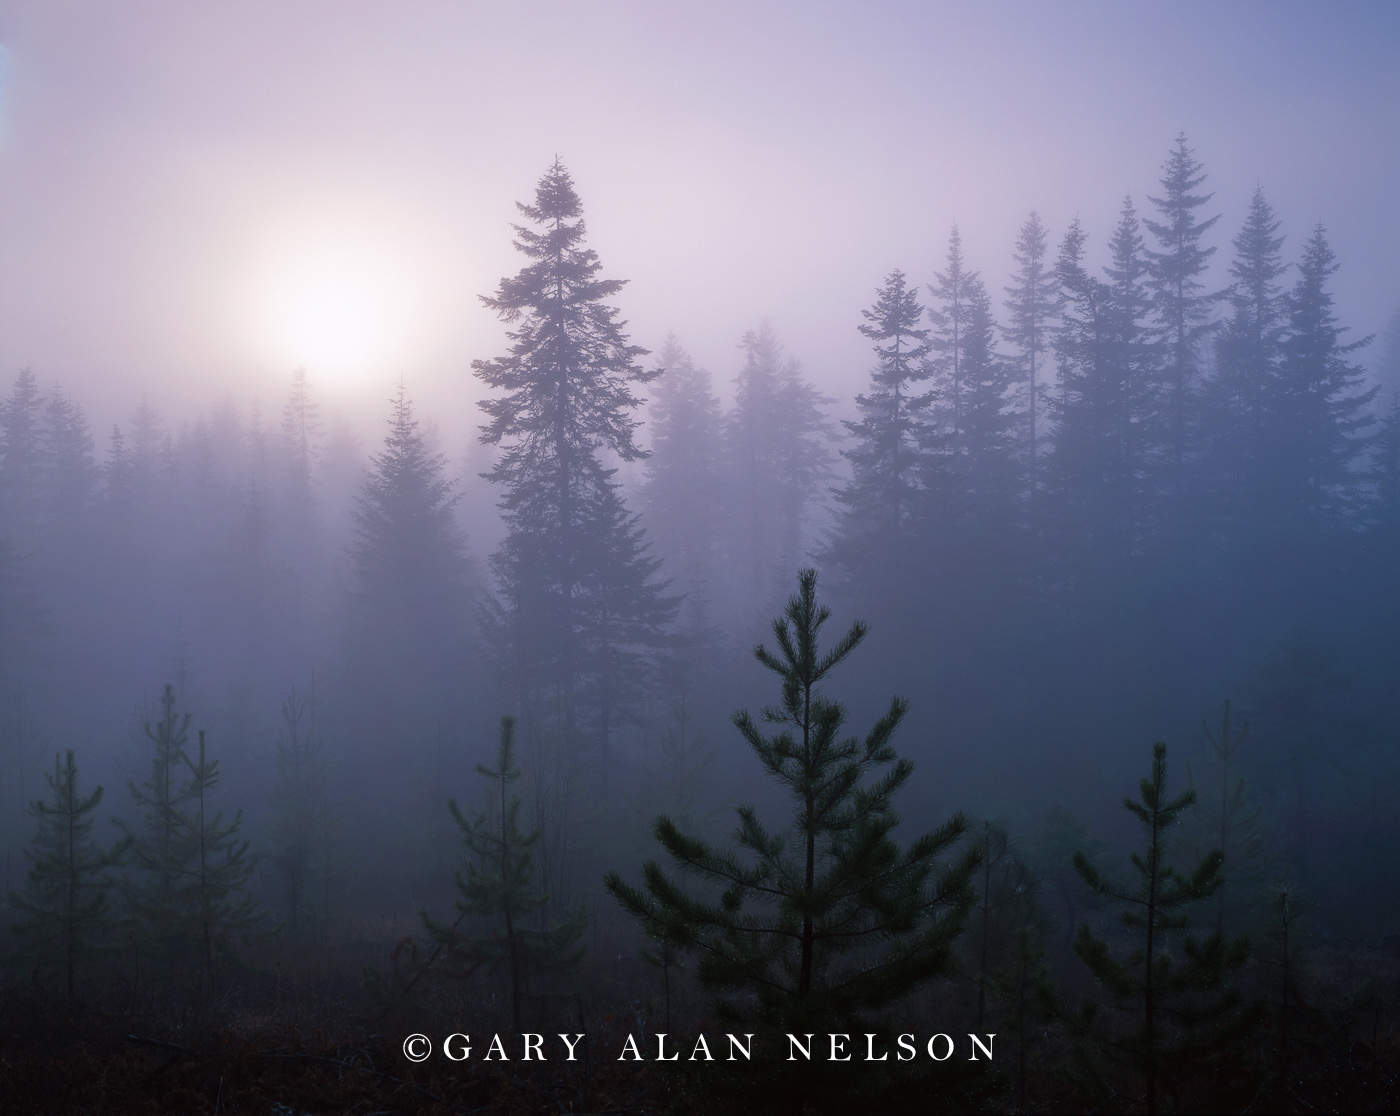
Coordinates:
x,y
336,321
342,307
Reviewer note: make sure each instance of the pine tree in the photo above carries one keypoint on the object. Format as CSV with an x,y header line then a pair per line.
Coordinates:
x,y
65,908
949,315
303,818
1031,306
775,445
831,923
1183,308
1144,436
1384,517
156,850
298,521
683,498
210,903
1301,708
578,603
22,739
873,540
1181,1013
1226,819
300,443
1004,911
21,460
411,578
986,449
69,474
1101,468
1235,401
1388,363
1320,409
497,885
1284,951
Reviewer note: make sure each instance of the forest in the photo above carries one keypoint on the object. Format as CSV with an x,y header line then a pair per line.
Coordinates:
x,y
1049,696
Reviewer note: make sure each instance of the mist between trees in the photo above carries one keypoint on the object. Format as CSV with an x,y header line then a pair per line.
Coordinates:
x,y
1076,514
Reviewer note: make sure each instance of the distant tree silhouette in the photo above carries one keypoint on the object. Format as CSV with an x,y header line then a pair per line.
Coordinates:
x,y
1236,397
21,460
410,579
777,458
949,313
68,470
1183,307
304,824
1320,408
683,499
874,539
1098,471
1031,304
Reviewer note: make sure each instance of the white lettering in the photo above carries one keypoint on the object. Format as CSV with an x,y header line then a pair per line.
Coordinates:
x,y
838,1044
701,1044
630,1044
743,1048
571,1046
977,1045
794,1044
466,1047
870,1051
497,1047
537,1046
946,1056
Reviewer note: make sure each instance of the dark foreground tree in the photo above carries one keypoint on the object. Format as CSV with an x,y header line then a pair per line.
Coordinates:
x,y
1179,1016
64,907
497,886
825,927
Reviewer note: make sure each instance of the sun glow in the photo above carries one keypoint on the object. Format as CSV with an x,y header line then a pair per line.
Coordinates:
x,y
344,309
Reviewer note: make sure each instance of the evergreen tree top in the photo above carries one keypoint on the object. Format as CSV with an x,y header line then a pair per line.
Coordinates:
x,y
403,513
893,324
1179,231
1257,264
566,379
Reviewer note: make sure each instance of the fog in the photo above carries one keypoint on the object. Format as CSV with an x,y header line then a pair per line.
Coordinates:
x,y
892,292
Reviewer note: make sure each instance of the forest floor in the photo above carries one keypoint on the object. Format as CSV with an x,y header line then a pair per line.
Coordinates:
x,y
308,1041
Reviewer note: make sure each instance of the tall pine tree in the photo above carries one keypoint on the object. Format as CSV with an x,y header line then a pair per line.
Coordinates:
x,y
1235,399
873,544
1183,306
1030,304
777,458
577,595
1321,408
683,498
410,607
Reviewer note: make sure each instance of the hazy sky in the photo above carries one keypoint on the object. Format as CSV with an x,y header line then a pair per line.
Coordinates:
x,y
196,195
